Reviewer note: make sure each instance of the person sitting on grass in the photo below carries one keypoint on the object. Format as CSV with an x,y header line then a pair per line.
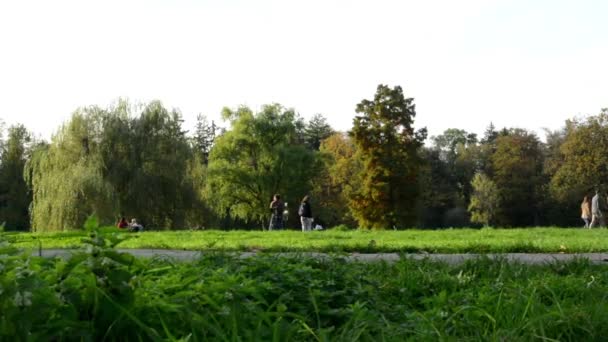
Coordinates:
x,y
134,226
122,223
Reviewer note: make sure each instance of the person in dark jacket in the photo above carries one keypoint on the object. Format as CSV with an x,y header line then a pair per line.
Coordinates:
x,y
305,214
276,207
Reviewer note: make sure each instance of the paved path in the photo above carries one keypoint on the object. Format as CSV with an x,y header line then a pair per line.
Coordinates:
x,y
527,258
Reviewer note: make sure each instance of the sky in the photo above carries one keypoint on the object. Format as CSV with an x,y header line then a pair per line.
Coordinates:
x,y
518,63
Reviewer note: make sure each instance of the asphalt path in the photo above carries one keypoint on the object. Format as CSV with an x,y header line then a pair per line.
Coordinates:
x,y
525,258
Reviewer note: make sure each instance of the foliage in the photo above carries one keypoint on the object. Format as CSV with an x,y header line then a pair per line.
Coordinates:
x,y
108,162
67,176
204,137
438,191
445,179
584,156
336,181
15,196
155,190
388,147
255,159
485,200
518,176
137,161
100,294
316,131
451,140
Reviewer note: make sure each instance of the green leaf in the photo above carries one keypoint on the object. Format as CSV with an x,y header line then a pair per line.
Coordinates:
x,y
92,223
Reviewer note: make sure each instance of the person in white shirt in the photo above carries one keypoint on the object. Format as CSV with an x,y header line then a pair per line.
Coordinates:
x,y
597,207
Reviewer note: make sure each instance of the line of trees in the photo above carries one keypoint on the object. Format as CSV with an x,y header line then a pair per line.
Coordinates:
x,y
137,161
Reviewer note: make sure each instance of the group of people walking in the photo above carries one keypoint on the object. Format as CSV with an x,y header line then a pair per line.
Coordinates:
x,y
592,212
277,208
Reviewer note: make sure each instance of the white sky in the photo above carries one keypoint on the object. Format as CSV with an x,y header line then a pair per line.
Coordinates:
x,y
524,63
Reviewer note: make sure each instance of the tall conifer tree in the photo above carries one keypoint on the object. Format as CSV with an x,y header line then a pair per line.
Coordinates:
x,y
384,134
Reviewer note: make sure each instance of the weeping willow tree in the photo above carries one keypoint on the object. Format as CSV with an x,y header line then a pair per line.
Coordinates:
x,y
112,162
66,177
156,189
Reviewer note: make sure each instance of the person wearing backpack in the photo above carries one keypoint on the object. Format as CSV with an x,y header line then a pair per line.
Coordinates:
x,y
305,214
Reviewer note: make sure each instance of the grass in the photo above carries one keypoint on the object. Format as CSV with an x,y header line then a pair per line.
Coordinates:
x,y
99,294
530,240
107,296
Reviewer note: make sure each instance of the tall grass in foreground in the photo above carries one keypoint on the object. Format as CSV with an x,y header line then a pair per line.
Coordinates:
x,y
100,294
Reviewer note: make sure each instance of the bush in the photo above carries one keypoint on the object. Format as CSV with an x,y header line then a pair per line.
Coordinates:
x,y
341,228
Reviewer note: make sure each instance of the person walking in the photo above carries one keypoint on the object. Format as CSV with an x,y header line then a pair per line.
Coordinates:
x,y
276,207
586,211
597,206
305,214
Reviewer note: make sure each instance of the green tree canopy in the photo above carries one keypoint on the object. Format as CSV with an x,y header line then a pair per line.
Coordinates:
x,y
384,135
110,161
582,163
67,175
204,136
337,180
485,200
256,158
15,196
316,131
518,175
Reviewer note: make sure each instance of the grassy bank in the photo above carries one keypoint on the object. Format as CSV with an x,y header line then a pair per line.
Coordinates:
x,y
533,240
103,295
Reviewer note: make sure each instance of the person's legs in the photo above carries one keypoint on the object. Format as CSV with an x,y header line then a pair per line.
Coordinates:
x,y
303,221
593,221
586,223
279,222
309,223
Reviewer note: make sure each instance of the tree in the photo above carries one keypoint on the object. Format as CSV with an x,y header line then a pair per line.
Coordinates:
x,y
459,150
518,175
204,136
440,193
451,140
485,200
582,161
388,145
490,134
111,162
255,159
159,156
485,150
555,211
316,131
15,197
336,181
66,176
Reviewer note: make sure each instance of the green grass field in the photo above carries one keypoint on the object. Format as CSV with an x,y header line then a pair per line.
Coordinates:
x,y
531,240
99,294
